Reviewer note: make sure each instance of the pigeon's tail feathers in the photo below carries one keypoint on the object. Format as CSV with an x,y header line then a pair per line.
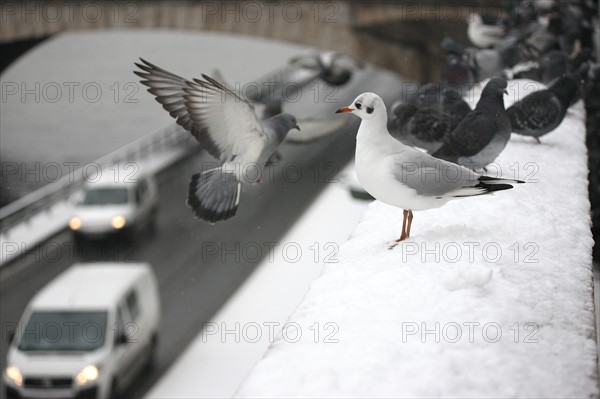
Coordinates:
x,y
214,195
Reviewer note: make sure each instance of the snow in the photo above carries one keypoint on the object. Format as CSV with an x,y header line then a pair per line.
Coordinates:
x,y
214,365
490,297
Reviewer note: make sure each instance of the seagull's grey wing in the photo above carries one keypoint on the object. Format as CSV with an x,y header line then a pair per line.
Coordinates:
x,y
433,177
223,122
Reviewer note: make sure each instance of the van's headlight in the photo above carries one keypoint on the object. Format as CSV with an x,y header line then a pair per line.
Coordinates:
x,y
87,375
118,222
13,374
75,223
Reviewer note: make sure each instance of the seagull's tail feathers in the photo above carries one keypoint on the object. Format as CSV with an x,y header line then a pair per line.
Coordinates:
x,y
214,195
486,185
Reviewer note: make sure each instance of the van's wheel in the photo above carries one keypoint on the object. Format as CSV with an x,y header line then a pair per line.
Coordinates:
x,y
152,352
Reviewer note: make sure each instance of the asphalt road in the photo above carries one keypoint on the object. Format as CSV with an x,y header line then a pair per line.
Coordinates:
x,y
193,286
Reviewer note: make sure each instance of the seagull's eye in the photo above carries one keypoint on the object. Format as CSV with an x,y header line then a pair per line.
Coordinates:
x,y
370,110
358,105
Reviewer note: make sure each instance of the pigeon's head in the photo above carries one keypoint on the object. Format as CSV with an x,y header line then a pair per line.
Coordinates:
x,y
495,88
288,121
451,95
367,106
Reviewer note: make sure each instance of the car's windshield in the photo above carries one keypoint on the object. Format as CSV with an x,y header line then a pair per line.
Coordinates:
x,y
64,331
105,196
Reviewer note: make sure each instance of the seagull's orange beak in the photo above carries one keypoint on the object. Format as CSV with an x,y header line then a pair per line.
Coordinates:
x,y
344,109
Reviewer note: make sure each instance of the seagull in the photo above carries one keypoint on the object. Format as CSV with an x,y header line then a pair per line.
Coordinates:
x,y
403,176
482,135
541,112
226,125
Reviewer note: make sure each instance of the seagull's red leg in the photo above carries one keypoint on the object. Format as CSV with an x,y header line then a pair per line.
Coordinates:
x,y
403,234
410,218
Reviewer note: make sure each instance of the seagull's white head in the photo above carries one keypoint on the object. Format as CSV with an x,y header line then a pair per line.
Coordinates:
x,y
367,106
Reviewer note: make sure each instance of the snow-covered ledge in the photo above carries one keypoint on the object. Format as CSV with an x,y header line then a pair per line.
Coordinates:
x,y
491,296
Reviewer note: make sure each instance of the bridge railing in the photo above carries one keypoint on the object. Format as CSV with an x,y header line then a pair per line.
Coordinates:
x,y
43,199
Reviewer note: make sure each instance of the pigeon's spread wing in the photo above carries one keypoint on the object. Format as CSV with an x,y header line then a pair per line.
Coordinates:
x,y
223,122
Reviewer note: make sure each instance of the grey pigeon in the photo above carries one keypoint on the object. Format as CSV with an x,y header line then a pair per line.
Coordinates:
x,y
556,64
541,112
420,127
426,121
458,73
454,104
482,135
226,125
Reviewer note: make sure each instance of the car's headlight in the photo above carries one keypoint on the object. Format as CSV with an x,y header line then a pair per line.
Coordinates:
x,y
75,223
118,222
88,374
13,374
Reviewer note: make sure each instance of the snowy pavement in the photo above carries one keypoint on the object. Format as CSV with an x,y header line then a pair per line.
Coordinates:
x,y
221,356
490,297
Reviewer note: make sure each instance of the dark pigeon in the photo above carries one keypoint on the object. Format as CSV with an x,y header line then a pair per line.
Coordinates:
x,y
541,112
420,127
482,135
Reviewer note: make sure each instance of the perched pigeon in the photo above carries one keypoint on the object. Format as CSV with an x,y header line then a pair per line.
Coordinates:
x,y
226,125
403,176
441,97
426,121
541,112
458,73
420,126
454,105
484,34
482,135
489,62
556,64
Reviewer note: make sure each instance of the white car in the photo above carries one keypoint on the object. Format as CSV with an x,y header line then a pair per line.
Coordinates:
x,y
87,334
112,205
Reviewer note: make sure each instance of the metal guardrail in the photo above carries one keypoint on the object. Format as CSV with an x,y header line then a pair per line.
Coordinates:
x,y
42,199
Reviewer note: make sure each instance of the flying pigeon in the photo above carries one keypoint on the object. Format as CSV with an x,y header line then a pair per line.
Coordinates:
x,y
541,112
482,135
226,125
403,176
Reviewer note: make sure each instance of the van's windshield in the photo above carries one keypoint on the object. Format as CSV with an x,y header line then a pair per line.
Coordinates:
x,y
64,331
105,196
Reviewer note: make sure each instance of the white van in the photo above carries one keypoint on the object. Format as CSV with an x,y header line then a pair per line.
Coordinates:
x,y
87,334
114,203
